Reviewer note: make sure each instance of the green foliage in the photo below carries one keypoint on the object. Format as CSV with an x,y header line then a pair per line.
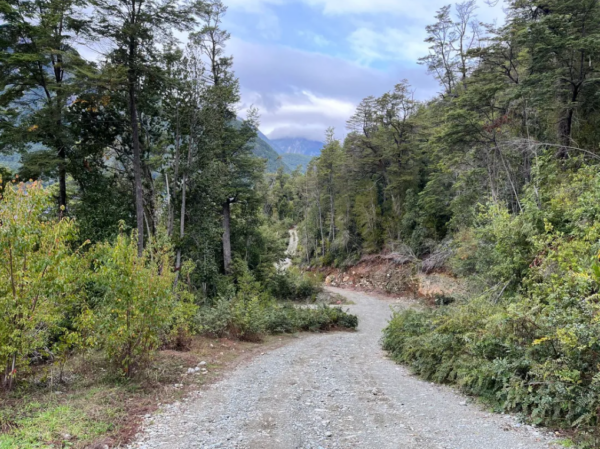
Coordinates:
x,y
529,343
262,149
138,307
296,161
251,319
40,277
251,313
294,285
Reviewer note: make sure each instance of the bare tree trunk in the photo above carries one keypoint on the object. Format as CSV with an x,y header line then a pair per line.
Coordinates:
x,y
10,373
137,159
306,220
565,130
332,206
183,207
135,134
171,218
62,182
321,223
227,237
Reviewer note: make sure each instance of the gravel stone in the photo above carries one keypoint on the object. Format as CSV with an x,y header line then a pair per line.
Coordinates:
x,y
333,391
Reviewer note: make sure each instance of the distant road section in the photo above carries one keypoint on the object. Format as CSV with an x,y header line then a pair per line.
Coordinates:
x,y
286,263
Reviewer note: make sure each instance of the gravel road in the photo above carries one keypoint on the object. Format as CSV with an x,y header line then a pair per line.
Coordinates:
x,y
286,263
335,390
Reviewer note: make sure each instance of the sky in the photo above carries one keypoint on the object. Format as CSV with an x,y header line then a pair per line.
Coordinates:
x,y
306,64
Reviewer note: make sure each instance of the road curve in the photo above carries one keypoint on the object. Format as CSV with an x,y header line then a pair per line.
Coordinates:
x,y
335,390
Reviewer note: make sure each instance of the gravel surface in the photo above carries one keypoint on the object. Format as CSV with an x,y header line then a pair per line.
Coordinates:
x,y
286,263
334,390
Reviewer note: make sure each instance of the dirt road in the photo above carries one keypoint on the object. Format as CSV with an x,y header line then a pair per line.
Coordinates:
x,y
334,391
286,263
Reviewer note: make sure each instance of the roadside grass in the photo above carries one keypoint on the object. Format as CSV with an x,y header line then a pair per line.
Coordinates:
x,y
91,408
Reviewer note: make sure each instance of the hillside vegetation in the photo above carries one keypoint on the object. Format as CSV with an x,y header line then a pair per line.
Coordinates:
x,y
295,161
297,145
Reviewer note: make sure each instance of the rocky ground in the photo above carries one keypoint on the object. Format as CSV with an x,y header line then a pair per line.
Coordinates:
x,y
336,390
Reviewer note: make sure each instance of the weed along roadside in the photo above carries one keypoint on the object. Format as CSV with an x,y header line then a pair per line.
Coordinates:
x,y
92,408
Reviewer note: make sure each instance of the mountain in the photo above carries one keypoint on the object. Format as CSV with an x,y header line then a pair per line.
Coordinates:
x,y
297,145
296,160
263,150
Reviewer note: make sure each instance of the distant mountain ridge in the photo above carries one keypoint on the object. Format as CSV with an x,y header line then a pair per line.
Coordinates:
x,y
293,152
296,160
262,149
297,145
288,153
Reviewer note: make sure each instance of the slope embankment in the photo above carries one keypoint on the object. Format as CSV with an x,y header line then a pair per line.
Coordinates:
x,y
393,275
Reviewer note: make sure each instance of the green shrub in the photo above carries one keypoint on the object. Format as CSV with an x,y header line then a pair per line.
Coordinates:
x,y
294,285
530,342
39,277
252,319
251,313
138,308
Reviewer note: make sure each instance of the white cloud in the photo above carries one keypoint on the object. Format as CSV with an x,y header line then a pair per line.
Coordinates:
x,y
404,7
315,38
254,6
299,114
420,9
388,44
301,94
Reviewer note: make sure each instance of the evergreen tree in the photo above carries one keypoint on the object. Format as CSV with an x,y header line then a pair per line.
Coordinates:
x,y
40,73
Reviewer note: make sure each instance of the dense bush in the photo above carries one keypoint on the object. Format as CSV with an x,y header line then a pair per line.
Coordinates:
x,y
251,313
55,298
532,347
40,274
294,285
252,319
138,307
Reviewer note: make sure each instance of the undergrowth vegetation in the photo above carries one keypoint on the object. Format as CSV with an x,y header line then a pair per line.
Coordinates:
x,y
59,298
529,341
90,320
251,313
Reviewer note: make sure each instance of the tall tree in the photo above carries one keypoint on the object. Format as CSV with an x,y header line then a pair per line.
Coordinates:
x,y
138,29
40,73
562,37
232,164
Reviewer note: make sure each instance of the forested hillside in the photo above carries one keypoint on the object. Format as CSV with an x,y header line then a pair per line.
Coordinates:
x,y
496,180
296,161
297,145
